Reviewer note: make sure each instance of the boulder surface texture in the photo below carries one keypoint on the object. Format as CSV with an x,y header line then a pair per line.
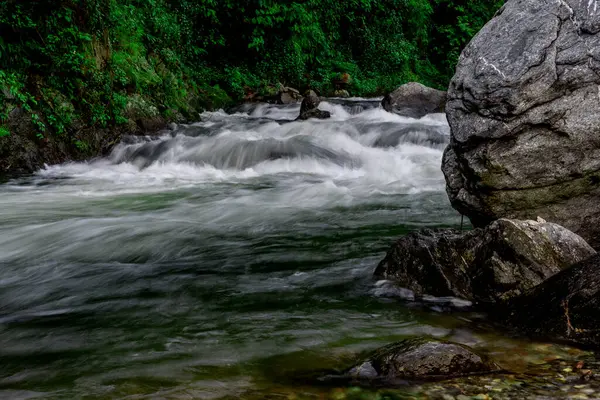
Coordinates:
x,y
414,100
421,359
309,107
523,108
564,307
496,263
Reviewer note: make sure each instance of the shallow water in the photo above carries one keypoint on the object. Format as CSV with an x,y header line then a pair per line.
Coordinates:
x,y
221,258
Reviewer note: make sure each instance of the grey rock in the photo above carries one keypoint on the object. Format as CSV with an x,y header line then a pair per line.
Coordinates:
x,y
414,100
287,95
310,101
523,111
286,98
315,113
343,93
495,263
151,124
564,307
421,359
309,107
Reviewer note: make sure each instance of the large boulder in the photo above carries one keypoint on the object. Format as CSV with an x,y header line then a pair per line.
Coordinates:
x,y
523,111
420,359
492,264
414,100
309,107
565,307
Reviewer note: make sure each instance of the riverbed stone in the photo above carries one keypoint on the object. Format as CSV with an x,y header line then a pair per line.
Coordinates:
x,y
523,111
421,359
414,100
495,263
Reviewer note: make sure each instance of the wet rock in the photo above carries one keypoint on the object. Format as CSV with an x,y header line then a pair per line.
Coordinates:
x,y
343,93
564,307
496,263
315,113
151,124
523,109
287,95
414,100
311,101
26,149
309,107
421,359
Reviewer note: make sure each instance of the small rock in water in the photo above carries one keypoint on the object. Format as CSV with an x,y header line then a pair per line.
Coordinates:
x,y
309,107
420,359
414,100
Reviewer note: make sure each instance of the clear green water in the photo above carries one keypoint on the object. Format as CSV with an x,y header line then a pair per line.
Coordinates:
x,y
210,268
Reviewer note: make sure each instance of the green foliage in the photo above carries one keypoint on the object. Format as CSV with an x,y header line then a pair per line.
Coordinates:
x,y
454,23
65,61
82,145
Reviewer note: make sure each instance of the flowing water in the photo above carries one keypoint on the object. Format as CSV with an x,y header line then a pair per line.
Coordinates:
x,y
218,258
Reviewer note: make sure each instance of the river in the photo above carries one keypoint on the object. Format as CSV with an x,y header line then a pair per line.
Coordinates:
x,y
219,258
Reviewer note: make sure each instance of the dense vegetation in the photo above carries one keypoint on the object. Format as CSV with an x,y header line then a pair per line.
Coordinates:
x,y
103,61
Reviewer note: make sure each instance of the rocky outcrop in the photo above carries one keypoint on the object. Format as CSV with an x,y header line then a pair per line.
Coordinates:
x,y
414,100
565,307
523,110
496,263
25,149
309,107
419,359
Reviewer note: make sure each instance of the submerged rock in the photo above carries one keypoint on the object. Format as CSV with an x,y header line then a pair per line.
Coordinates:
x,y
523,110
420,359
414,100
496,263
309,107
564,307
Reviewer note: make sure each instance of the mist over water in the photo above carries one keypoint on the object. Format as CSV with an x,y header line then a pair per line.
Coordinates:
x,y
181,264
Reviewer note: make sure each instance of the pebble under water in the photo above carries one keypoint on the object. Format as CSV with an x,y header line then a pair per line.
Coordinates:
x,y
227,258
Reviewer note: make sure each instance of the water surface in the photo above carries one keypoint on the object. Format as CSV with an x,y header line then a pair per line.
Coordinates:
x,y
213,259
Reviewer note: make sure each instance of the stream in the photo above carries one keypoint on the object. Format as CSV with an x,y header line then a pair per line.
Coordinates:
x,y
226,258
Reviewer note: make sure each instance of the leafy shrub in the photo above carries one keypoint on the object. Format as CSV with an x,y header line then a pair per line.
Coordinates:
x,y
69,60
